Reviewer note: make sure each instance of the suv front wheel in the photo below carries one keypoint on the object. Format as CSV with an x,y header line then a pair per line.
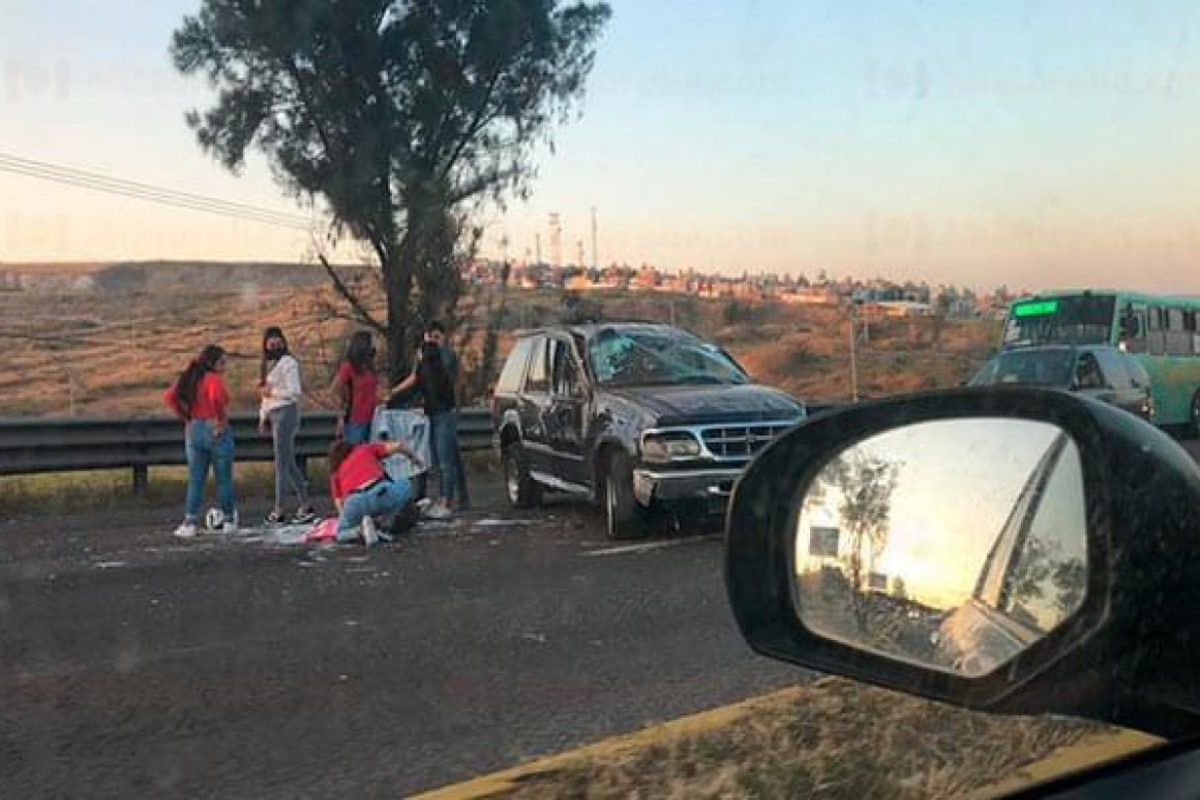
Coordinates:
x,y
623,517
523,491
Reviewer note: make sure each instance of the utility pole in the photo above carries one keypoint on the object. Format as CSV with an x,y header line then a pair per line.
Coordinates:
x,y
595,255
853,353
537,239
556,239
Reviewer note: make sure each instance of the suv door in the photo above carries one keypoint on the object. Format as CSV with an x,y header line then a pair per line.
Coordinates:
x,y
1125,394
535,399
565,418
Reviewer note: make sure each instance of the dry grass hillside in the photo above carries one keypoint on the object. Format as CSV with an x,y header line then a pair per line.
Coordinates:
x,y
111,344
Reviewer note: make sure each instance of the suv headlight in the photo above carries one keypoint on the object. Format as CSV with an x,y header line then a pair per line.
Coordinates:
x,y
663,448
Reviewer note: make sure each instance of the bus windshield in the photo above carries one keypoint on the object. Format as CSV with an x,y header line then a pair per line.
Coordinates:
x,y
1066,319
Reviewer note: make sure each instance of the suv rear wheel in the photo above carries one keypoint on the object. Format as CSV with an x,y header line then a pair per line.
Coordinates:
x,y
522,490
624,519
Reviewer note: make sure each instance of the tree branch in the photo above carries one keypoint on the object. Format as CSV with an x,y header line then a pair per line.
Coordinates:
x,y
349,296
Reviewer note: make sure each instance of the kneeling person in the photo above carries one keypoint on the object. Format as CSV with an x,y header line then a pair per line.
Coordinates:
x,y
362,490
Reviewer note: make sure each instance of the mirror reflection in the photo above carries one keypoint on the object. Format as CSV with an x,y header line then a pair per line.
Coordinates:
x,y
955,544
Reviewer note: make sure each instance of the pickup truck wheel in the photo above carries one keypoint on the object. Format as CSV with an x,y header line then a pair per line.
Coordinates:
x,y
522,490
623,516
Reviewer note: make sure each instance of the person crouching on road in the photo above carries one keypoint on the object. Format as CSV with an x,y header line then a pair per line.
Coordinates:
x,y
201,399
280,389
362,490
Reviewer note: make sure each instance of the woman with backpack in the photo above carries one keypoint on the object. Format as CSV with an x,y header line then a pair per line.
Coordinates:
x,y
200,398
280,389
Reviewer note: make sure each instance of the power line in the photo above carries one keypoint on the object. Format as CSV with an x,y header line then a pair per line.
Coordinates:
x,y
148,193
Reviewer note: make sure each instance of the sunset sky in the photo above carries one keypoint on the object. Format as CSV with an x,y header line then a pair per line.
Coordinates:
x,y
1033,144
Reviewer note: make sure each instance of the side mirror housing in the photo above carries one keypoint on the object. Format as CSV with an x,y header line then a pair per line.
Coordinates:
x,y
1096,621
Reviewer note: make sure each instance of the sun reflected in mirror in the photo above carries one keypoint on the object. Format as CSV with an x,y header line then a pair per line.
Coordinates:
x,y
955,543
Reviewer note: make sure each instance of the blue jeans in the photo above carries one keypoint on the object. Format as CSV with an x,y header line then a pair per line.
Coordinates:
x,y
285,423
356,433
443,436
204,450
385,499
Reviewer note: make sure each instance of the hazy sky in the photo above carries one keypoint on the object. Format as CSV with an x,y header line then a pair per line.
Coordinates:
x,y
1034,144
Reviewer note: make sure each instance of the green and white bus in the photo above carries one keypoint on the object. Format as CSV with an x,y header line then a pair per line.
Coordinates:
x,y
1163,332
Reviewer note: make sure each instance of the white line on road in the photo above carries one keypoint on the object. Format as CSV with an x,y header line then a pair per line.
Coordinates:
x,y
635,548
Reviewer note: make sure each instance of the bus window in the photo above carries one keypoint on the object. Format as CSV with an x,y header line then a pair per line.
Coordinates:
x,y
1157,340
1179,340
1133,328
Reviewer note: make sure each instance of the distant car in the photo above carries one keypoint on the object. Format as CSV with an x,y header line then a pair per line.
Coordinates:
x,y
632,415
1102,372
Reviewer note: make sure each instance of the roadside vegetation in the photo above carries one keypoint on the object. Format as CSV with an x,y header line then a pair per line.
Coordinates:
x,y
832,738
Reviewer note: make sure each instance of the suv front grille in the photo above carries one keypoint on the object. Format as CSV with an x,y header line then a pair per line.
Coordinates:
x,y
738,442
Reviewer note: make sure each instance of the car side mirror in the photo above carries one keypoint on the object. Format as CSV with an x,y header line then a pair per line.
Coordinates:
x,y
1015,551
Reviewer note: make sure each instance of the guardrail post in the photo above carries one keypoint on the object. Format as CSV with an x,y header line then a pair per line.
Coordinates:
x,y
141,479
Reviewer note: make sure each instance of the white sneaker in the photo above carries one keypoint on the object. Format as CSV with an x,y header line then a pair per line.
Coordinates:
x,y
369,534
230,525
438,511
187,530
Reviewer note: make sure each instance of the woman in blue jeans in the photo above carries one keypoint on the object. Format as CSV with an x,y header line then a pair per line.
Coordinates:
x,y
362,490
201,399
433,377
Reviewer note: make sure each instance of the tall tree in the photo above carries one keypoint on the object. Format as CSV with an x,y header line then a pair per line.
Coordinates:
x,y
401,115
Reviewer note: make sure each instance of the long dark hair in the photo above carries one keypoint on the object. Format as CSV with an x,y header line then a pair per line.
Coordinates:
x,y
267,358
360,352
338,451
193,373
436,372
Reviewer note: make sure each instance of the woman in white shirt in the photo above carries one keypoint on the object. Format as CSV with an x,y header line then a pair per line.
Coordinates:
x,y
279,385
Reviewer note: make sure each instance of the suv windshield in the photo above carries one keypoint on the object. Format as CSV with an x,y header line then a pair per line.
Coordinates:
x,y
1035,367
627,358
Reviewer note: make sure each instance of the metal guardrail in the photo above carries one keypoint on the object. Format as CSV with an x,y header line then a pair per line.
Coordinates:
x,y
77,444
54,444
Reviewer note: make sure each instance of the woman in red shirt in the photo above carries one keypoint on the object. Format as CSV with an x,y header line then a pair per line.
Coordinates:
x,y
362,490
201,399
357,387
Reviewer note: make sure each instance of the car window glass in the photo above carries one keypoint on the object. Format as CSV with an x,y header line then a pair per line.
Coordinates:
x,y
1115,369
514,367
1045,580
565,375
538,379
1087,373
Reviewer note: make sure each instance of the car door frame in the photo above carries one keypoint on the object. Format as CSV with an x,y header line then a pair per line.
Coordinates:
x,y
566,418
531,409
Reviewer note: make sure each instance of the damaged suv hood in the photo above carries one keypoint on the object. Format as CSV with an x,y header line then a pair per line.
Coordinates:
x,y
690,405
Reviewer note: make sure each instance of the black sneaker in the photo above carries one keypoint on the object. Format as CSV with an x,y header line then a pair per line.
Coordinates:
x,y
304,516
274,518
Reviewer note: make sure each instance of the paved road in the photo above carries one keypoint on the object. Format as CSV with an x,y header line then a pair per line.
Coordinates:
x,y
134,664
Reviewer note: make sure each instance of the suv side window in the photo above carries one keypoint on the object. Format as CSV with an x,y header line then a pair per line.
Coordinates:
x,y
514,368
564,374
1087,373
1115,369
538,379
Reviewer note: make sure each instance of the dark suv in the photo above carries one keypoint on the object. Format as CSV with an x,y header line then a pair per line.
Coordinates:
x,y
1098,371
631,415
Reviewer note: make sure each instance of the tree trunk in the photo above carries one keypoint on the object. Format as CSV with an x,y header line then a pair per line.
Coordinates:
x,y
398,279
